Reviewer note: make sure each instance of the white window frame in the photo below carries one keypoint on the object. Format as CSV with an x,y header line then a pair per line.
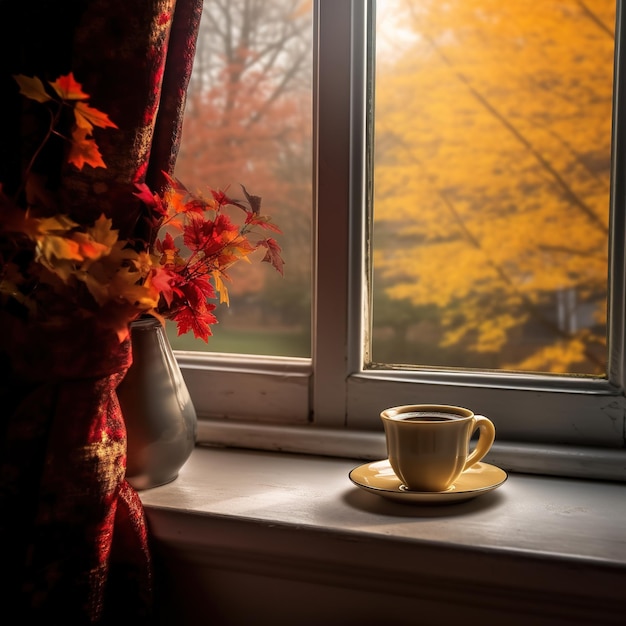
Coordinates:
x,y
330,404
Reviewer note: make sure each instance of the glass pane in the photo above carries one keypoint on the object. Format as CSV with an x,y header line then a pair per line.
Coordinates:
x,y
491,184
248,122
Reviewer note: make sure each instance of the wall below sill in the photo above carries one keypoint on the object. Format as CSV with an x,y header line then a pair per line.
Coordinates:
x,y
243,537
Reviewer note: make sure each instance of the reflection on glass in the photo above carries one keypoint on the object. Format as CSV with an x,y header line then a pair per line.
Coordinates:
x,y
491,184
248,122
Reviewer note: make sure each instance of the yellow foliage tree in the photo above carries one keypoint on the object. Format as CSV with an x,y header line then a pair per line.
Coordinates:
x,y
492,157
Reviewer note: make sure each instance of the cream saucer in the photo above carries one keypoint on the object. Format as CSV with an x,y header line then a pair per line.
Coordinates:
x,y
379,478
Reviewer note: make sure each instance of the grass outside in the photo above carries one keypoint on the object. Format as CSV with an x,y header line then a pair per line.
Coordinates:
x,y
261,342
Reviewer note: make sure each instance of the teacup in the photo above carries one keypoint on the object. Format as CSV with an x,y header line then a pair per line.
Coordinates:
x,y
429,444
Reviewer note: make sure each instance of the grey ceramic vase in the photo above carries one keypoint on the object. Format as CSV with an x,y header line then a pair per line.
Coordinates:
x,y
160,418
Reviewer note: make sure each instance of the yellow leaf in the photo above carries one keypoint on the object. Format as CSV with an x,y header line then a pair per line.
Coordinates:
x,y
126,285
56,224
52,247
102,232
220,287
32,88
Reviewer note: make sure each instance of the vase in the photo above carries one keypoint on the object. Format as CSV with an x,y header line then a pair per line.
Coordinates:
x,y
160,418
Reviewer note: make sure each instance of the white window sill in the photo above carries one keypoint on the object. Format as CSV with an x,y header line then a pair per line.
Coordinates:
x,y
253,524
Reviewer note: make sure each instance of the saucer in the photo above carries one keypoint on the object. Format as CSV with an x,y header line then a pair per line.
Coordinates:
x,y
379,478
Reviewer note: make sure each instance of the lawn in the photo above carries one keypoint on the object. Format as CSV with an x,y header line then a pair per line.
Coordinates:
x,y
276,343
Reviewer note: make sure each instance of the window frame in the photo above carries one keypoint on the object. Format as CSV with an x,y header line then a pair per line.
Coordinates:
x,y
252,401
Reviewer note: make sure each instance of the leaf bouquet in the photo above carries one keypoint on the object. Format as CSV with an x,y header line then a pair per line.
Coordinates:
x,y
54,269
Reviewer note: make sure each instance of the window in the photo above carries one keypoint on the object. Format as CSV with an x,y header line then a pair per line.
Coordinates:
x,y
340,388
491,210
248,120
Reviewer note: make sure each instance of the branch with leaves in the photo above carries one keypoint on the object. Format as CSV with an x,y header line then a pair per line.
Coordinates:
x,y
54,269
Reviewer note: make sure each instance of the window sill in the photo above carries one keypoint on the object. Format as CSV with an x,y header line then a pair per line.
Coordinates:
x,y
266,523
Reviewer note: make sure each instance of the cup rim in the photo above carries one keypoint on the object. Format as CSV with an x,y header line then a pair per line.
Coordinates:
x,y
392,413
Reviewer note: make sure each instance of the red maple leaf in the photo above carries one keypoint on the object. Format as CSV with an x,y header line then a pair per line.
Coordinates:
x,y
195,320
206,235
175,184
197,291
165,281
195,234
151,200
166,244
221,198
68,88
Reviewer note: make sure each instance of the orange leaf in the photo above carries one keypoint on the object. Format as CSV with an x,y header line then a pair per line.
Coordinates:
x,y
32,88
88,248
237,245
175,201
122,331
87,117
84,150
179,198
68,89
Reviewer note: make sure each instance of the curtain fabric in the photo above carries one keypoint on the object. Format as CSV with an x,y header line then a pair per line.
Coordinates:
x,y
74,546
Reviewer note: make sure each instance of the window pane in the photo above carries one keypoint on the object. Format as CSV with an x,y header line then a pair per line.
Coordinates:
x,y
491,184
248,122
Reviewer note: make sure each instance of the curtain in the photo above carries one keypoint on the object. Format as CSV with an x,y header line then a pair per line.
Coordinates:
x,y
74,544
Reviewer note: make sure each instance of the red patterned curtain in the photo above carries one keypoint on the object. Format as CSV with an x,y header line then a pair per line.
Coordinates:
x,y
74,547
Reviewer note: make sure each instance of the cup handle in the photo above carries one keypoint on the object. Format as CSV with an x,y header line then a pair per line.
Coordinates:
x,y
486,438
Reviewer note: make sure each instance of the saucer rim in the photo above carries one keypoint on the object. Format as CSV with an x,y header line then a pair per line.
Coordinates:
x,y
430,495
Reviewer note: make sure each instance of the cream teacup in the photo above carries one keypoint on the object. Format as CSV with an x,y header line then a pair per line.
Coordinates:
x,y
429,444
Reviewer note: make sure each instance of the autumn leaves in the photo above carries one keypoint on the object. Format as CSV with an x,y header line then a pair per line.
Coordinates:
x,y
56,269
